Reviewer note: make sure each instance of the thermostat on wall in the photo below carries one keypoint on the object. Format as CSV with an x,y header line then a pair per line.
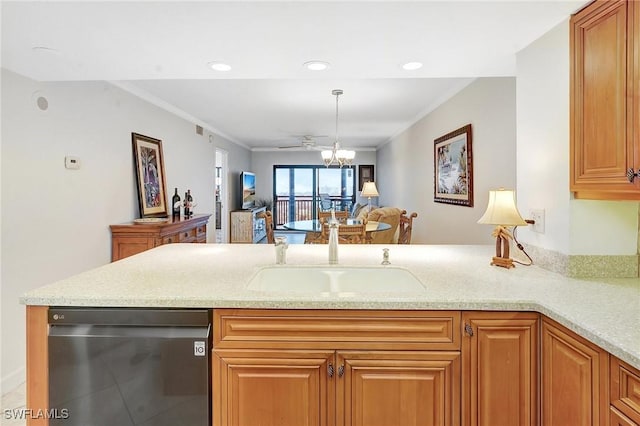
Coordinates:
x,y
72,162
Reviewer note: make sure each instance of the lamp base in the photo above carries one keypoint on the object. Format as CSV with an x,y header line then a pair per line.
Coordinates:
x,y
505,262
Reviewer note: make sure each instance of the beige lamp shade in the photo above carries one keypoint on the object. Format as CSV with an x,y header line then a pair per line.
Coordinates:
x,y
502,209
369,190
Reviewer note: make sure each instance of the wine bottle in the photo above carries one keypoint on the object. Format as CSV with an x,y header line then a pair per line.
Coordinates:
x,y
175,203
190,201
187,210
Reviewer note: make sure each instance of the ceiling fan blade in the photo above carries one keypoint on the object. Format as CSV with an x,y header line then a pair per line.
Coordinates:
x,y
289,146
308,136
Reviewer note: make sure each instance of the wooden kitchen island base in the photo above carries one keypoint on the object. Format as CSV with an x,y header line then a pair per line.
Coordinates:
x,y
362,367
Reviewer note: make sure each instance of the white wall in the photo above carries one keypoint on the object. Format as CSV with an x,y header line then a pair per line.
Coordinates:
x,y
405,165
262,163
571,226
55,222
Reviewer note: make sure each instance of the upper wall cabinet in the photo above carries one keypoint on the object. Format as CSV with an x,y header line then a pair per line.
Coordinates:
x,y
605,101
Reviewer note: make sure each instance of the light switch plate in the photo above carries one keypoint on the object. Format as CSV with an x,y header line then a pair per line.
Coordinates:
x,y
71,162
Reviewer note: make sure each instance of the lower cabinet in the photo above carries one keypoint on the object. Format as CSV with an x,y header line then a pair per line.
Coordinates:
x,y
318,388
261,387
625,393
342,368
398,388
499,368
413,368
574,379
616,418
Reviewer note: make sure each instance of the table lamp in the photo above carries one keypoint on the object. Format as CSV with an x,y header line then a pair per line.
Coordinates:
x,y
502,212
369,190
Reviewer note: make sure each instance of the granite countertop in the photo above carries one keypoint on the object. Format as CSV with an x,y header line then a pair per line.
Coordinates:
x,y
605,311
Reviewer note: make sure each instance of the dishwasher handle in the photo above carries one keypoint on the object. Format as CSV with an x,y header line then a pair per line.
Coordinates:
x,y
130,316
108,331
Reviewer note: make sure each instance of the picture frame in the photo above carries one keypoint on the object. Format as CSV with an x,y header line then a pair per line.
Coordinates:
x,y
365,174
150,177
453,168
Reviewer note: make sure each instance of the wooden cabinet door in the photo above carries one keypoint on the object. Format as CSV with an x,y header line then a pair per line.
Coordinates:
x,y
574,379
122,247
499,369
272,388
602,111
385,388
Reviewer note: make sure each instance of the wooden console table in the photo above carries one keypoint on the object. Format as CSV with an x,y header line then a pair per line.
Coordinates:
x,y
132,238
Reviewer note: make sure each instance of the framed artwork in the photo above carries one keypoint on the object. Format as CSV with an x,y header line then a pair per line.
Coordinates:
x,y
365,174
453,168
152,198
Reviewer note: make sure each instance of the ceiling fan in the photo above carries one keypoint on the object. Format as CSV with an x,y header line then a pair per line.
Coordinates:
x,y
307,142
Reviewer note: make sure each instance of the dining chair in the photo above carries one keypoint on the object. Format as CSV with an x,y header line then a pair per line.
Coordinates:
x,y
325,202
347,234
268,224
406,226
324,216
313,238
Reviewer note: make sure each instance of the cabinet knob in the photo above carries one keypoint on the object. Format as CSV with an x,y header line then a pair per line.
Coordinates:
x,y
631,174
341,370
468,329
330,370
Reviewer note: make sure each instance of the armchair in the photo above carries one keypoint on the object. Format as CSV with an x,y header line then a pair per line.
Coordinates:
x,y
389,215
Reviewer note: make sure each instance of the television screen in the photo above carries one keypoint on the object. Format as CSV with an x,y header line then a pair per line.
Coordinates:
x,y
248,182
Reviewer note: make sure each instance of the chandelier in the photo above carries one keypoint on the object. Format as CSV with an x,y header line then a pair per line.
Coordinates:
x,y
335,155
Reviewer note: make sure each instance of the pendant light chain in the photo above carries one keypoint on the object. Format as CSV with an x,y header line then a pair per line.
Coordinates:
x,y
337,155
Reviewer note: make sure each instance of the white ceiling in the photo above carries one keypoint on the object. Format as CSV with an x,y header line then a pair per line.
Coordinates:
x,y
161,50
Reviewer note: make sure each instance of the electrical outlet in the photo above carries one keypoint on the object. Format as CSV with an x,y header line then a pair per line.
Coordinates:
x,y
538,216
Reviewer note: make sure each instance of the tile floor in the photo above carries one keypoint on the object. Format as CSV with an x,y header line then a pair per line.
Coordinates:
x,y
12,400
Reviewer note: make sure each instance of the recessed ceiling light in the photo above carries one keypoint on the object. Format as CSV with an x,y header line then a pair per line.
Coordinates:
x,y
316,65
220,66
410,66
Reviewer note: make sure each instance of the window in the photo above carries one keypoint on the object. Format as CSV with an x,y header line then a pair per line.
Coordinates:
x,y
299,191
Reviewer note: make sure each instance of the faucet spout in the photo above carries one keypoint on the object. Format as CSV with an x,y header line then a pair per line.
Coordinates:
x,y
281,250
333,243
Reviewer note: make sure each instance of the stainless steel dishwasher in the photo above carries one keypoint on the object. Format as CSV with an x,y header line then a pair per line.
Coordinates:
x,y
130,366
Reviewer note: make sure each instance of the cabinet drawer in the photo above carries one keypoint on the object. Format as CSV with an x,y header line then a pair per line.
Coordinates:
x,y
625,389
170,239
249,328
201,231
187,235
616,418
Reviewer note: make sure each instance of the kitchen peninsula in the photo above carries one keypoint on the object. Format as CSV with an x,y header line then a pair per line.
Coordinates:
x,y
460,286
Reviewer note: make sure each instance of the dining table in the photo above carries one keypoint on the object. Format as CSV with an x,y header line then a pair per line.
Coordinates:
x,y
315,225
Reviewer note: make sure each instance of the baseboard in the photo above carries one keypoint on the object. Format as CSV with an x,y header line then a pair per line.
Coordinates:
x,y
12,380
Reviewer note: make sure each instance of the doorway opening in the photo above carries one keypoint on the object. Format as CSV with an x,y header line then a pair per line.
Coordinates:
x,y
221,197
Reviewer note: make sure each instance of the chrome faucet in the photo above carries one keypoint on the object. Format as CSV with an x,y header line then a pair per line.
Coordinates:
x,y
333,243
281,250
385,257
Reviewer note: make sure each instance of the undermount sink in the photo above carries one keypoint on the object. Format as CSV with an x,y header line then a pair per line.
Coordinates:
x,y
335,280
